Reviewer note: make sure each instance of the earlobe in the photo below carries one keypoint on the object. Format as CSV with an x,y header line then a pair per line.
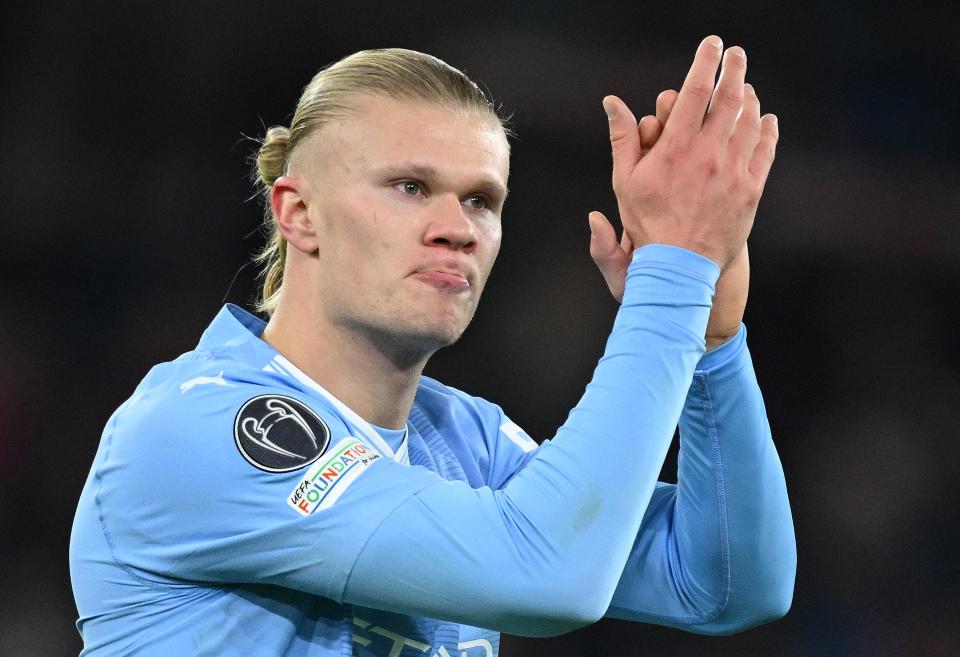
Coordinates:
x,y
290,211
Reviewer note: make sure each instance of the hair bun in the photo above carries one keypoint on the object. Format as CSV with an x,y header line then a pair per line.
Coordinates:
x,y
272,156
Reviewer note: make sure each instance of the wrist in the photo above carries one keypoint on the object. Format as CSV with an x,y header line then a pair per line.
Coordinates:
x,y
718,340
723,353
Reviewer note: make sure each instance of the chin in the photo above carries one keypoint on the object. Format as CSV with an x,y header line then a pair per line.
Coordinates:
x,y
438,338
420,340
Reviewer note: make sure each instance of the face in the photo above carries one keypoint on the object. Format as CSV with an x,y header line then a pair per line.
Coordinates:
x,y
405,199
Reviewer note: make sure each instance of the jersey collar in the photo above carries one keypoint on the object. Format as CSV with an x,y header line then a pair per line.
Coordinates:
x,y
235,327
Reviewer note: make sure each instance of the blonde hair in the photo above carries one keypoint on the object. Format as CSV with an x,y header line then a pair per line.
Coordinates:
x,y
394,72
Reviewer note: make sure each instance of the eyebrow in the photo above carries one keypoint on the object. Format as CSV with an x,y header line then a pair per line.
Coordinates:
x,y
484,184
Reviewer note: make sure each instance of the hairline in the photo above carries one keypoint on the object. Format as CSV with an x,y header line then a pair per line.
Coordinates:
x,y
350,111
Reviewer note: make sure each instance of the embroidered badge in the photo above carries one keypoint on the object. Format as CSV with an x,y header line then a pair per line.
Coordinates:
x,y
279,434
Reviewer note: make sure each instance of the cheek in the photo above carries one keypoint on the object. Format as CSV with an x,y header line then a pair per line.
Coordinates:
x,y
489,247
492,236
350,230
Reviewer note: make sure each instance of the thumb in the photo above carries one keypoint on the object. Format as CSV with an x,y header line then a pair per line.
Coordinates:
x,y
610,258
624,135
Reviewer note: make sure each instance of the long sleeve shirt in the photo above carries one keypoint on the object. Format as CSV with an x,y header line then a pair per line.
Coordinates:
x,y
235,507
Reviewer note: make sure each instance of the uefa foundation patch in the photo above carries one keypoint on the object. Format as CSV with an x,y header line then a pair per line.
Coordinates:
x,y
326,480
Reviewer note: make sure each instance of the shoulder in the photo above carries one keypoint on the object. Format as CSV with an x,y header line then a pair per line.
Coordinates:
x,y
211,454
197,385
202,408
213,433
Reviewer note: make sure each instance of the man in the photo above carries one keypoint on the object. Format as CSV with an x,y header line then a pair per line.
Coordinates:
x,y
297,487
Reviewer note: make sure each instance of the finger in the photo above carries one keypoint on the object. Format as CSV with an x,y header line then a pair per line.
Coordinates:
x,y
694,96
624,136
603,237
747,133
665,103
650,129
607,254
766,149
626,243
728,96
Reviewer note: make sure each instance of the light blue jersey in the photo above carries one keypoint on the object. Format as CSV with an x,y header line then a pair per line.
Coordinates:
x,y
235,507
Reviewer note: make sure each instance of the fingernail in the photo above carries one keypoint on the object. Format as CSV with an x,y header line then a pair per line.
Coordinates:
x,y
776,121
715,42
738,52
610,109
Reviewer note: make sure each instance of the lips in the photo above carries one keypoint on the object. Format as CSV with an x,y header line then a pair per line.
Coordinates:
x,y
443,280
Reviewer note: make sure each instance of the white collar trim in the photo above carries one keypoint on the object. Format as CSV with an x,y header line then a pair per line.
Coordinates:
x,y
402,455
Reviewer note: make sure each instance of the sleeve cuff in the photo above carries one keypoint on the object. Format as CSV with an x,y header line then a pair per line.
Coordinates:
x,y
664,256
726,352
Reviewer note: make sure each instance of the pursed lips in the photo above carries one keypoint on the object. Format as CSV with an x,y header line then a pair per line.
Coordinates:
x,y
448,279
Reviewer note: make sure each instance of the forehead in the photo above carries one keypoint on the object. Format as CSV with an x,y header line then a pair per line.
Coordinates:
x,y
380,130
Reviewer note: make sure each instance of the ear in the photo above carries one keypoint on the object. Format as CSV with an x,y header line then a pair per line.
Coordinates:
x,y
290,213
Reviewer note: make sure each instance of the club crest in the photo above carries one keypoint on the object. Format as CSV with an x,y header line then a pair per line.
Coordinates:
x,y
279,434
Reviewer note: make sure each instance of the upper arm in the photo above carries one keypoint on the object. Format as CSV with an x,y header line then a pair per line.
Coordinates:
x,y
181,502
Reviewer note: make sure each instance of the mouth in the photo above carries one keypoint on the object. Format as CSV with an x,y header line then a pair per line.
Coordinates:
x,y
445,281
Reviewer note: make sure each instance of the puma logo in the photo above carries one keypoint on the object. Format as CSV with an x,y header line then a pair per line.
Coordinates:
x,y
201,380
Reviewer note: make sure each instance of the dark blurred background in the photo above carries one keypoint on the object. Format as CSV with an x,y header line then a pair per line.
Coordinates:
x,y
126,214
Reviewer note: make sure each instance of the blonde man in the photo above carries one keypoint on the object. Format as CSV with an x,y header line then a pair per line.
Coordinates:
x,y
297,487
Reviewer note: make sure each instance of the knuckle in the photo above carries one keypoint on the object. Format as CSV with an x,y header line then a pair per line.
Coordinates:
x,y
730,98
747,131
710,164
700,90
740,185
751,122
678,144
738,177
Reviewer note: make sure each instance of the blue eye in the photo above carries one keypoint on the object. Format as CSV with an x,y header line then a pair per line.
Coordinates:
x,y
410,187
477,202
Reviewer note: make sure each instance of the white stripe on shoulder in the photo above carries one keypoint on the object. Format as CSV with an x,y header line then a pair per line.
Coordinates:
x,y
518,436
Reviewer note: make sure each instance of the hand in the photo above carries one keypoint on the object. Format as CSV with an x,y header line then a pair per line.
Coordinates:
x,y
698,186
612,257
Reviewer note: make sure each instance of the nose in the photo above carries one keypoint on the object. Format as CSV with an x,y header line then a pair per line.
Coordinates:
x,y
450,227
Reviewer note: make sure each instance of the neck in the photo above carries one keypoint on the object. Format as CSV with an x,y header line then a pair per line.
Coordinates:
x,y
374,375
